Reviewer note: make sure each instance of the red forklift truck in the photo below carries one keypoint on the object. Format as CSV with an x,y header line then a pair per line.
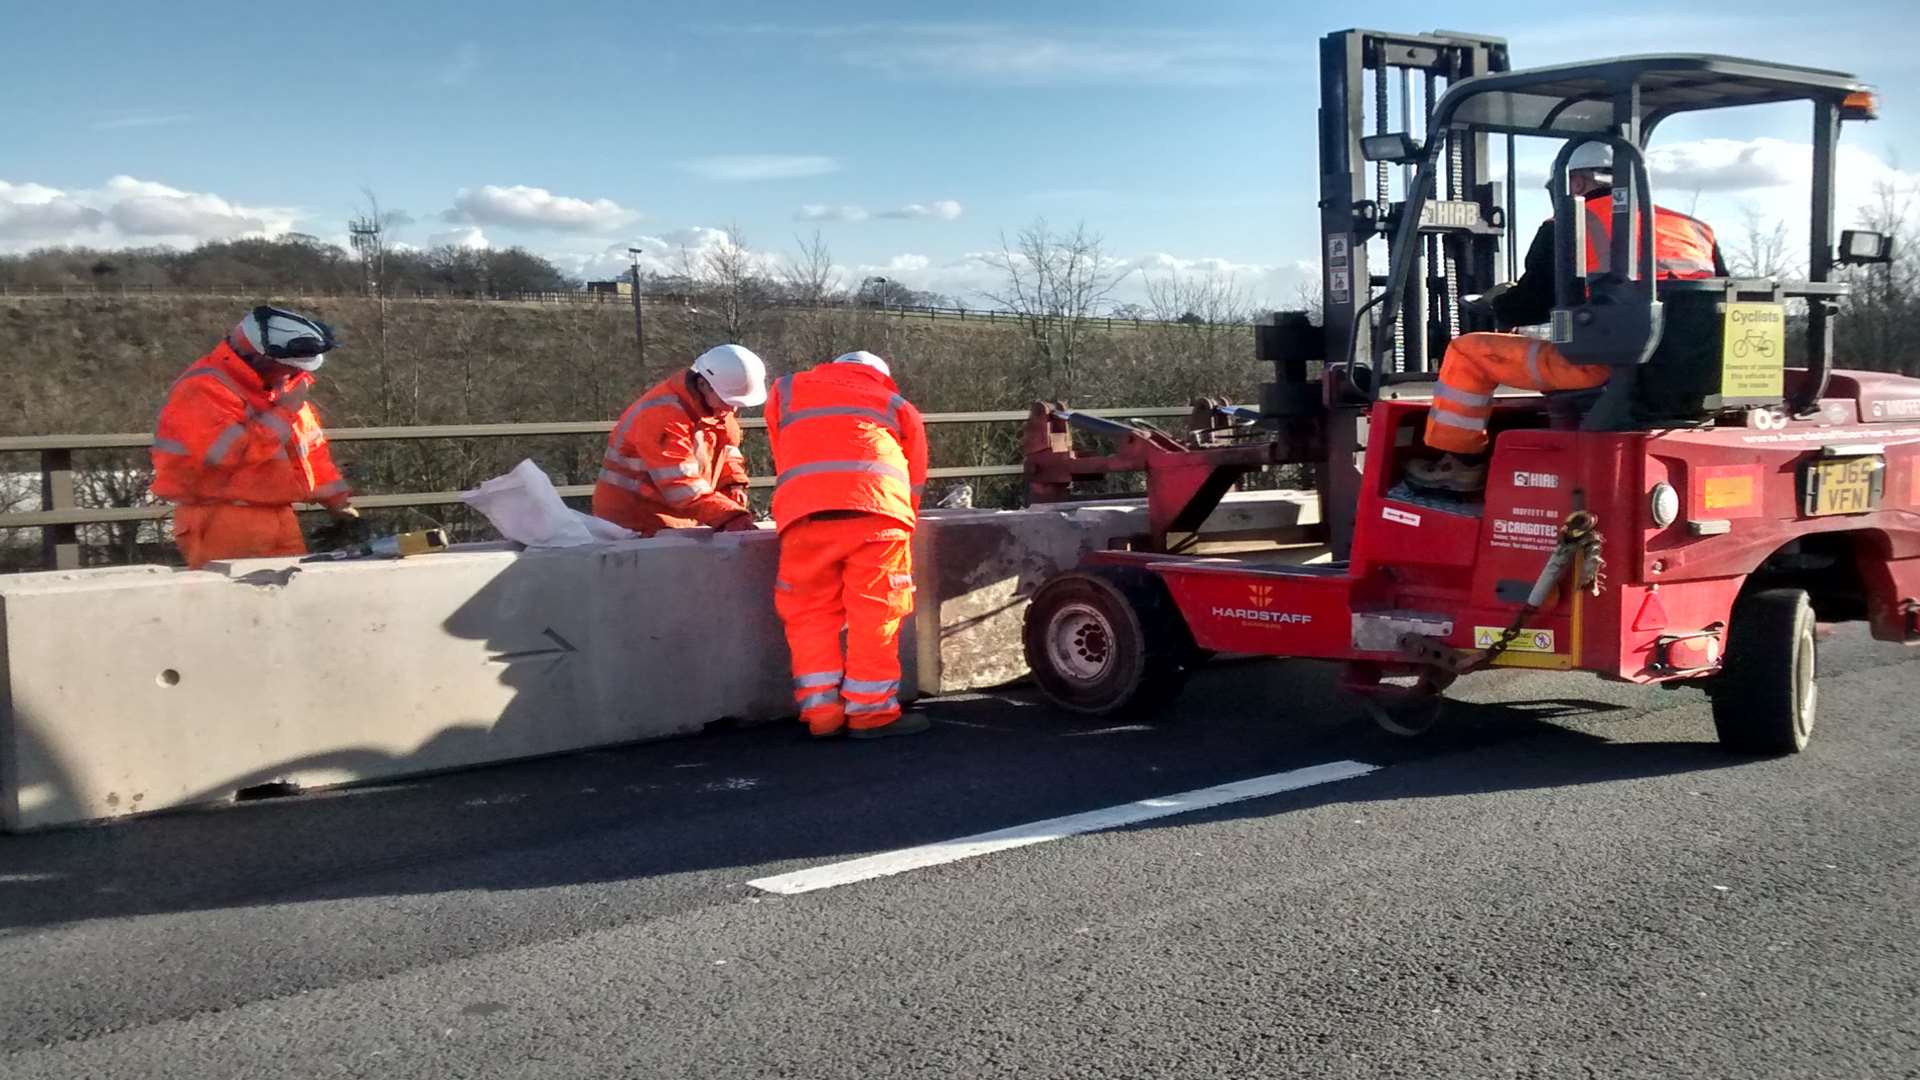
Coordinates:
x,y
1693,519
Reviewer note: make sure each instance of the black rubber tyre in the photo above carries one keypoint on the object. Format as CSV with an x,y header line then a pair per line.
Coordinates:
x,y
1406,718
1764,700
1107,641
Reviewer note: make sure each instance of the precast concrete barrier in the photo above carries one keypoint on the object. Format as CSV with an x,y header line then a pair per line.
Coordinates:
x,y
133,689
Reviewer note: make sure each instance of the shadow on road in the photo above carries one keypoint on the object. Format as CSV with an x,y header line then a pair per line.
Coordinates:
x,y
760,795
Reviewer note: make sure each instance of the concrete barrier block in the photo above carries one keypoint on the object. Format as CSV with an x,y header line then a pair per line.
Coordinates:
x,y
131,689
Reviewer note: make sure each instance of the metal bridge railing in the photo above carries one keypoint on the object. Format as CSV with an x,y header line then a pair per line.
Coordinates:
x,y
60,516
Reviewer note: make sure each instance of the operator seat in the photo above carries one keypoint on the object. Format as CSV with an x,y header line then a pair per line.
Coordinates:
x,y
1680,382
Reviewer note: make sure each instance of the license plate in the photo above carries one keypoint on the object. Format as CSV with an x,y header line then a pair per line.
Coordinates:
x,y
1851,485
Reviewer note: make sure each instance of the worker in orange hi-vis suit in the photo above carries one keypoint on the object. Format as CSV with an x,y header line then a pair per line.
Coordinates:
x,y
674,459
1476,365
237,444
850,457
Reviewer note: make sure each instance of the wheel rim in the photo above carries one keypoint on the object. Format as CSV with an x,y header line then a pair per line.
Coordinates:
x,y
1806,691
1080,642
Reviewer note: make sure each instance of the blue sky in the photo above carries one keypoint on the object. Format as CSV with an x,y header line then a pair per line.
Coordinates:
x,y
910,137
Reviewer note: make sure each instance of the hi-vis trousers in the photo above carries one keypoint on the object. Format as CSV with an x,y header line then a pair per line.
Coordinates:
x,y
854,572
1477,364
210,531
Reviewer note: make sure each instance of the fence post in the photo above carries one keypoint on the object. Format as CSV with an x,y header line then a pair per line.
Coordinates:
x,y
59,544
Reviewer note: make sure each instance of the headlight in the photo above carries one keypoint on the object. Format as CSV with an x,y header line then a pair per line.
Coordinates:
x,y
1664,504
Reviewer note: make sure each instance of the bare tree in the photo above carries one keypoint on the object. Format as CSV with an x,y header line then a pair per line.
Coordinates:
x,y
732,289
1762,252
810,275
1054,283
1878,328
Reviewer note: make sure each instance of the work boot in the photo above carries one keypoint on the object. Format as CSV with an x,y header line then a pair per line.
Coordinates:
x,y
907,724
826,728
1451,473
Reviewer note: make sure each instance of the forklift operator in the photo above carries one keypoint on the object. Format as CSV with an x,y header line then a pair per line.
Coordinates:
x,y
1476,364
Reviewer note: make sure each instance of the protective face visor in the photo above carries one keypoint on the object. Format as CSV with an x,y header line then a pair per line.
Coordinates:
x,y
286,337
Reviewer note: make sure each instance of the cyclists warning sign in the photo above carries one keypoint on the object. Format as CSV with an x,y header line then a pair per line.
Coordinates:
x,y
1535,641
1753,351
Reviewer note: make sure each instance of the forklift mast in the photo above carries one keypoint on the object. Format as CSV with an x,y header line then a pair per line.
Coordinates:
x,y
1373,84
1401,78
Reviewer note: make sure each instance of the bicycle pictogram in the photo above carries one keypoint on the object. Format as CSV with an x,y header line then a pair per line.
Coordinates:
x,y
1756,342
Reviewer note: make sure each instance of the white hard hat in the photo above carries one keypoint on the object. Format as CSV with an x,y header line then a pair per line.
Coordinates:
x,y
1590,155
286,337
863,357
736,373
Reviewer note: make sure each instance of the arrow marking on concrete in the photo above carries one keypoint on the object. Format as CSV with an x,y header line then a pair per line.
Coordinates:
x,y
1039,832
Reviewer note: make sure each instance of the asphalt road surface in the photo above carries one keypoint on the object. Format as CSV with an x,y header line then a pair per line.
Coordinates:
x,y
1570,879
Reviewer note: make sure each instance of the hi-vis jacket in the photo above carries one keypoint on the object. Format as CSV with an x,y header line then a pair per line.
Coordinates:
x,y
224,437
671,466
1683,248
844,439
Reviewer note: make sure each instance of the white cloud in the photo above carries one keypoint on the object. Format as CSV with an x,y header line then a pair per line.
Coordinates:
x,y
1727,182
821,212
140,120
943,210
744,167
940,210
126,211
667,254
470,237
526,207
1005,54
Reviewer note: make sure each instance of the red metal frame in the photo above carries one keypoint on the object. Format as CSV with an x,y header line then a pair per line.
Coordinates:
x,y
1452,576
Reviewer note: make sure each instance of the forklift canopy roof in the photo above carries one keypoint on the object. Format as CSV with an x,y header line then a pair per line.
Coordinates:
x,y
1577,99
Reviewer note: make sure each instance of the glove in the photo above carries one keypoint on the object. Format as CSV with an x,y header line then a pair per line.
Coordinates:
x,y
1482,305
343,513
343,531
741,522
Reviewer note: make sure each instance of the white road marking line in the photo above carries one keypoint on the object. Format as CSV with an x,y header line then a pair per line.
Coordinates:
x,y
1039,832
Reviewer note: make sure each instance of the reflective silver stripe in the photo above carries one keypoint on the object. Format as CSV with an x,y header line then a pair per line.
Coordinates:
x,y
879,468
736,453
327,491
824,697
1533,363
168,446
674,472
816,678
273,420
626,422
620,480
222,444
684,491
1462,397
870,686
614,457
875,415
201,373
212,373
293,402
860,708
1471,423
